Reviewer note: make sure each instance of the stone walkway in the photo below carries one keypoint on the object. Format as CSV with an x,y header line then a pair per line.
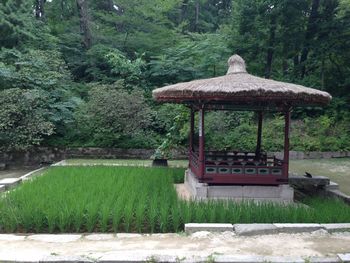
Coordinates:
x,y
318,246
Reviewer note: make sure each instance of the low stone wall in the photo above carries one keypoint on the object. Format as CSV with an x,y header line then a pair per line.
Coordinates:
x,y
40,155
294,155
47,155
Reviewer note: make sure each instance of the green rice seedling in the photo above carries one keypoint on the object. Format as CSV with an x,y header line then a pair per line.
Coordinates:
x,y
199,213
64,218
39,221
153,213
117,213
176,217
91,216
211,211
104,218
77,217
51,219
164,217
128,214
8,221
136,199
139,215
186,211
27,218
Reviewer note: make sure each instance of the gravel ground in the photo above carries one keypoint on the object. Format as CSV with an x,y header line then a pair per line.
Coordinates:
x,y
316,244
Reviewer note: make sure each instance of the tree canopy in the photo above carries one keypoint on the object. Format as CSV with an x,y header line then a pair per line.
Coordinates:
x,y
91,59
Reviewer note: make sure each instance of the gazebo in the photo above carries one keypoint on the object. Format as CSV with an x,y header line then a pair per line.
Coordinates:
x,y
238,90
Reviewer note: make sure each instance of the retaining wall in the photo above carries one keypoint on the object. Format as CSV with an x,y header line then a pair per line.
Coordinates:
x,y
41,155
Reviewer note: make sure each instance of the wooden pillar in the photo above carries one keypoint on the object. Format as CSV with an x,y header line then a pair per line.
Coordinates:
x,y
201,143
190,146
286,143
258,140
191,129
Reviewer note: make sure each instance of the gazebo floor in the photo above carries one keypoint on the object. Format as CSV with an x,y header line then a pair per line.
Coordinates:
x,y
281,193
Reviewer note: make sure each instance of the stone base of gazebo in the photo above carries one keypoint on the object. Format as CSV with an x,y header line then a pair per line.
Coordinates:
x,y
281,193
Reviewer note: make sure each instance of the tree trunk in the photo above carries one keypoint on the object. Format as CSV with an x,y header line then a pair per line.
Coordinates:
x,y
39,8
110,5
310,33
62,9
285,57
183,11
296,65
197,16
270,48
84,23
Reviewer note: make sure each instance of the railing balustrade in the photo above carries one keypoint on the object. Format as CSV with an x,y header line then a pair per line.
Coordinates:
x,y
236,164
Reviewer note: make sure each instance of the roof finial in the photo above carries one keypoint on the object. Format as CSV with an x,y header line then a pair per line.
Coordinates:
x,y
236,65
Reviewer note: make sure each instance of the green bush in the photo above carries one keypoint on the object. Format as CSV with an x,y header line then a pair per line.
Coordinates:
x,y
23,119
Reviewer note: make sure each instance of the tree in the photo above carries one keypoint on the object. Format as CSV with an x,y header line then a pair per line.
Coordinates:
x,y
111,115
84,23
23,119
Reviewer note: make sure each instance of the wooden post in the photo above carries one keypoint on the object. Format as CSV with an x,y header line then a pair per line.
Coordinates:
x,y
191,129
190,147
286,143
201,143
258,141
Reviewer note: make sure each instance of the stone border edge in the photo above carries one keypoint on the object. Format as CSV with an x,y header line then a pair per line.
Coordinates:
x,y
265,229
124,258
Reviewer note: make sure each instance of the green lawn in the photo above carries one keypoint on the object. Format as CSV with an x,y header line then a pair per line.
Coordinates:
x,y
135,199
337,169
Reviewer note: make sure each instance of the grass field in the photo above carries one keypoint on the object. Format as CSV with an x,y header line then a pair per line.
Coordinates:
x,y
135,199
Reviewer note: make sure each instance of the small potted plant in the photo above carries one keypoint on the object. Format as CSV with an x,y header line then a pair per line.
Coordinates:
x,y
162,154
172,139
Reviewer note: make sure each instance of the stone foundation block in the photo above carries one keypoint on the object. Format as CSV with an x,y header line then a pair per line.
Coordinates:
x,y
66,259
297,228
345,258
336,227
254,229
223,191
196,227
279,194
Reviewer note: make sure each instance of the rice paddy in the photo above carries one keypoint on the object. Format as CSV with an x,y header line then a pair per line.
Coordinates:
x,y
136,199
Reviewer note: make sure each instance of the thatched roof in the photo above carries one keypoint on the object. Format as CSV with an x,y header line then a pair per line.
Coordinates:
x,y
237,86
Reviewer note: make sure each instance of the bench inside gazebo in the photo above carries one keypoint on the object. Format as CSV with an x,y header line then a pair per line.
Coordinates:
x,y
239,174
237,167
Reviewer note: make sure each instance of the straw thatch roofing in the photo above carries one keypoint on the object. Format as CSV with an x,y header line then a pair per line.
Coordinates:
x,y
237,86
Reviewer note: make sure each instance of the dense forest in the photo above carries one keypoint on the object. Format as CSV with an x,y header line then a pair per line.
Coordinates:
x,y
81,72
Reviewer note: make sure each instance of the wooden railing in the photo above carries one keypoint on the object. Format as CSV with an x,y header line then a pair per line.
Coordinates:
x,y
240,166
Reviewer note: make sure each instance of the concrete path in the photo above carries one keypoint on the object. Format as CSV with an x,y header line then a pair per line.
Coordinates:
x,y
318,246
14,173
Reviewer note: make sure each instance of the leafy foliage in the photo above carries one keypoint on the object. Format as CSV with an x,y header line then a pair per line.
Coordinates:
x,y
23,111
106,116
135,46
